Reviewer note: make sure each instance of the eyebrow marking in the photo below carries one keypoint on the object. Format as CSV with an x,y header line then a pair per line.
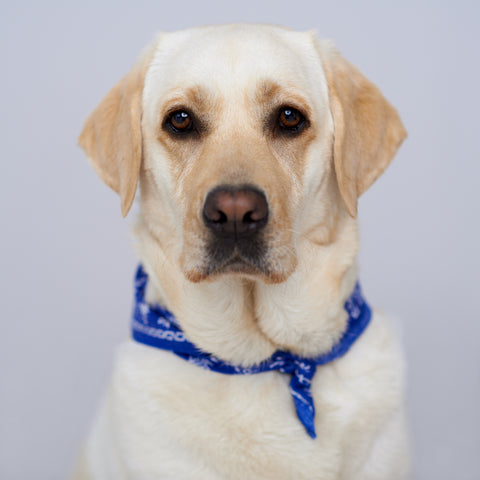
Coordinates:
x,y
270,95
267,90
196,97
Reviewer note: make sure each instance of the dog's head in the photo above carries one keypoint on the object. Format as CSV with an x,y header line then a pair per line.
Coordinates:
x,y
245,139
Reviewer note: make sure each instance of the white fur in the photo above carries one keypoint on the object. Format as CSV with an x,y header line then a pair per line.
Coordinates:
x,y
163,418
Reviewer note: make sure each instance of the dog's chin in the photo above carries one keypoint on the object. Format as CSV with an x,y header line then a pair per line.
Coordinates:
x,y
235,267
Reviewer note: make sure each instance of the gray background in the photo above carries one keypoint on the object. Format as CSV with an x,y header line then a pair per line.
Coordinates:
x,y
66,263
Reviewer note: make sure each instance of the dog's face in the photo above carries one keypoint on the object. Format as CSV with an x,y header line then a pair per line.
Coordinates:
x,y
246,139
230,119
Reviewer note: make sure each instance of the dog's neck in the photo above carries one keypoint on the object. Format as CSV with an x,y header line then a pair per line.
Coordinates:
x,y
244,321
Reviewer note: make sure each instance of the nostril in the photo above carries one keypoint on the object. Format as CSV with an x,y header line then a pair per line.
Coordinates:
x,y
256,215
247,218
220,217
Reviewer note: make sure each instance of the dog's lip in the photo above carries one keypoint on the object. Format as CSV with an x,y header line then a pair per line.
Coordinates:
x,y
237,264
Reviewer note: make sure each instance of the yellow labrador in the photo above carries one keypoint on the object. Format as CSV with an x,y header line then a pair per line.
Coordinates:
x,y
251,145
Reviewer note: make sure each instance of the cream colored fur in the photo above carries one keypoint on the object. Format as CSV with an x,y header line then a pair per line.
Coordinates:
x,y
163,418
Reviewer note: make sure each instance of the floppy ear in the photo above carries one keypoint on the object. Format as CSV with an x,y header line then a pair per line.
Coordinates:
x,y
368,130
112,135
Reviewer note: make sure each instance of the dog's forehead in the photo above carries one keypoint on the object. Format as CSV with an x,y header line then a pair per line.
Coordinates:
x,y
230,59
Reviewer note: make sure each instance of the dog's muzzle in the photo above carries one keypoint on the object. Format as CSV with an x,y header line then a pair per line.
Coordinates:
x,y
236,217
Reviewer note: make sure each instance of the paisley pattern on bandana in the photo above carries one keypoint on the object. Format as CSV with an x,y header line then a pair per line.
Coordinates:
x,y
157,327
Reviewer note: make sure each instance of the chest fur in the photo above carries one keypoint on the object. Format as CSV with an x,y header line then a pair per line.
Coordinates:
x,y
172,418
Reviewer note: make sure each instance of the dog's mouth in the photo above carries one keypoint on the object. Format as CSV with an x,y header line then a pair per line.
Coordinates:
x,y
250,259
243,256
236,265
253,259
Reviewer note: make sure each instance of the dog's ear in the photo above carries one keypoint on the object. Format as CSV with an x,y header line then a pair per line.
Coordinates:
x,y
368,129
112,134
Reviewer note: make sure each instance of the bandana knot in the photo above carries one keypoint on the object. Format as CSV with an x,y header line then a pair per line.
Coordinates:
x,y
157,327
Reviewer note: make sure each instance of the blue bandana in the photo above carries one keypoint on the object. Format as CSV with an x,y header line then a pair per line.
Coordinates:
x,y
157,327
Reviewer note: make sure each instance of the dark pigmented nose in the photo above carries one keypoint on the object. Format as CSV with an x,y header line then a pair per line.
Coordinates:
x,y
231,211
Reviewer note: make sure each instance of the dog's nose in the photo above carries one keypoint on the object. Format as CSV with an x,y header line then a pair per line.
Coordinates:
x,y
235,211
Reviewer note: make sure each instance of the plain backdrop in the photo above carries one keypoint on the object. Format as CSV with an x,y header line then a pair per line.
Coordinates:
x,y
65,257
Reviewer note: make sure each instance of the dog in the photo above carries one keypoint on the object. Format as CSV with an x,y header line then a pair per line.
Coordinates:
x,y
251,145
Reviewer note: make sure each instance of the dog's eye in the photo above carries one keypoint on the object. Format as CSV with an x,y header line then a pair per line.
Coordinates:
x,y
180,121
290,119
